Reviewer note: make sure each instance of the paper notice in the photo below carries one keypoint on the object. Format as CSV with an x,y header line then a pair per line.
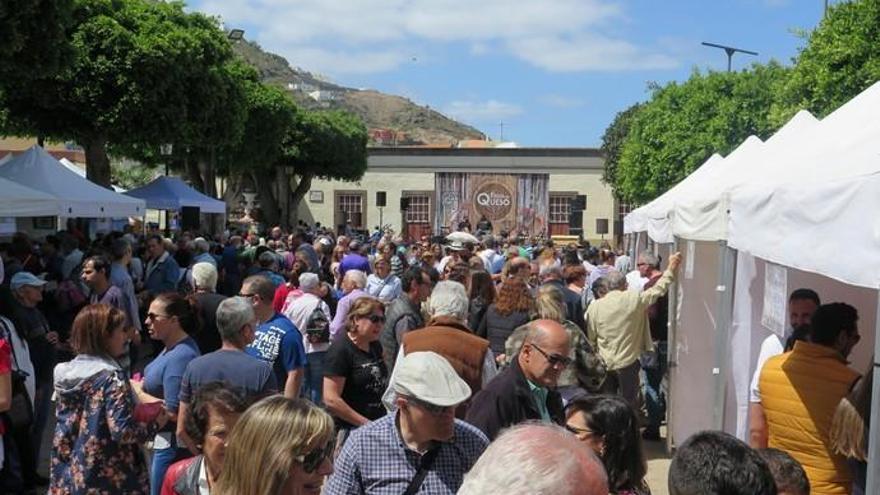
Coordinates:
x,y
689,260
775,295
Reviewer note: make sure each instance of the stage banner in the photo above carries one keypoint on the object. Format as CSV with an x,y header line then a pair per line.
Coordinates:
x,y
511,202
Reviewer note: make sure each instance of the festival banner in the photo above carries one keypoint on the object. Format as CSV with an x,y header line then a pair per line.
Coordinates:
x,y
511,202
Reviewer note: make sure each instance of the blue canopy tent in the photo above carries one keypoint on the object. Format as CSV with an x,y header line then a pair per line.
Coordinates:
x,y
171,193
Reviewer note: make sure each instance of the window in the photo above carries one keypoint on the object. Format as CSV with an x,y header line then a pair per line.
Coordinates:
x,y
352,206
419,209
560,209
623,209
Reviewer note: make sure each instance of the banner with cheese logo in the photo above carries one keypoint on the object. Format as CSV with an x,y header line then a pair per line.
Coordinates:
x,y
510,202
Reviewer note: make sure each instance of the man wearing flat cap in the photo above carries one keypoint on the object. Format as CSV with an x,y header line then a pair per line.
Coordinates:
x,y
420,447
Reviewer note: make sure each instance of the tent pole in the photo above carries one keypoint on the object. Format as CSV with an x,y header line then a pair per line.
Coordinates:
x,y
873,483
671,354
723,314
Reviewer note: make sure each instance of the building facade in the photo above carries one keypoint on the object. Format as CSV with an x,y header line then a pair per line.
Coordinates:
x,y
529,190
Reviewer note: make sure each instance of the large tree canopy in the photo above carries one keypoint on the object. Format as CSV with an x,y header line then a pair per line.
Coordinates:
x,y
136,67
840,60
683,124
612,143
34,42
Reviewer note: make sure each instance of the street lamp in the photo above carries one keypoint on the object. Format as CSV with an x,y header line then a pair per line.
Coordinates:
x,y
729,50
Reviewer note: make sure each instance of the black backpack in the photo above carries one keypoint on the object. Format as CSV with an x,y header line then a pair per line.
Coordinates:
x,y
318,326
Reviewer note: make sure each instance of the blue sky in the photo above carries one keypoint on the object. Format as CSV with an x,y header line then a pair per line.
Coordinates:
x,y
554,71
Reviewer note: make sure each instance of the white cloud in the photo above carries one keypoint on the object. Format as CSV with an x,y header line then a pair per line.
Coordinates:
x,y
365,36
560,101
490,111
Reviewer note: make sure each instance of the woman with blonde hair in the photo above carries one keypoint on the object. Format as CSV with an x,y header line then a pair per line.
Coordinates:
x,y
279,446
587,370
849,430
355,375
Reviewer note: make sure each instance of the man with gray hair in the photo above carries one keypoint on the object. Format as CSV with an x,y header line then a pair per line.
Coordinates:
x,y
204,283
536,458
201,252
448,335
305,313
617,325
230,365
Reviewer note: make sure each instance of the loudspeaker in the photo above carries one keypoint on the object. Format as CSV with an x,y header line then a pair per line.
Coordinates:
x,y
404,203
189,218
579,203
380,198
601,226
576,219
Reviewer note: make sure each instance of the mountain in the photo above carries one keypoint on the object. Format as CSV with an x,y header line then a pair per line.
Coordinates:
x,y
391,119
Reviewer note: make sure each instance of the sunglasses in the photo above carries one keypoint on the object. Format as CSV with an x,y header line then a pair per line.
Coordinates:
x,y
312,460
246,296
553,359
376,318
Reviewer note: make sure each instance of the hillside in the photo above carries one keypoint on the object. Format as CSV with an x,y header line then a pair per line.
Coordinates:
x,y
391,119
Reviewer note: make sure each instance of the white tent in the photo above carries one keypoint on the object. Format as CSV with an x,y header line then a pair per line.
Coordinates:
x,y
17,200
69,165
77,197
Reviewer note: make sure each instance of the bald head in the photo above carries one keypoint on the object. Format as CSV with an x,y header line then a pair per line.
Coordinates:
x,y
536,458
544,352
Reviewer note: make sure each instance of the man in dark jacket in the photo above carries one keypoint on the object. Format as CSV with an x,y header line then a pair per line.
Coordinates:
x,y
404,313
527,389
551,274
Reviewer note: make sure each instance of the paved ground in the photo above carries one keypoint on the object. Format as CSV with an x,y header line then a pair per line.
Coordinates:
x,y
658,466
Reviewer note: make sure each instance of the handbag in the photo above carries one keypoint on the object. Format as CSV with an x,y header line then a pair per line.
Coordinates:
x,y
21,409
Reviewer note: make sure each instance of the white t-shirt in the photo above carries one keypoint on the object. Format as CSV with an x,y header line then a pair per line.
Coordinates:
x,y
773,345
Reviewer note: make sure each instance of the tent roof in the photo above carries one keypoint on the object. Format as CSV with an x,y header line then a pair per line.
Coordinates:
x,y
17,200
82,173
171,193
76,196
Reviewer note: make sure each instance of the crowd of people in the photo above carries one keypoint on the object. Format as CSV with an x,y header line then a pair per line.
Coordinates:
x,y
309,363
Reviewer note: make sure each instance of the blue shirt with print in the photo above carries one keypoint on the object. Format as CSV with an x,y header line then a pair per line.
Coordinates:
x,y
279,343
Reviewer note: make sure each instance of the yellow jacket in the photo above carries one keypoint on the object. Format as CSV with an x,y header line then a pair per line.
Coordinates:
x,y
799,393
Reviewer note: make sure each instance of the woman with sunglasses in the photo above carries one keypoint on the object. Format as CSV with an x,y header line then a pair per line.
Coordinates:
x,y
171,319
279,446
610,426
355,375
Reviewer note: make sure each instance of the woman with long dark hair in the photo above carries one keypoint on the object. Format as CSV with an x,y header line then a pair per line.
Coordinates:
x,y
512,308
610,426
482,295
171,319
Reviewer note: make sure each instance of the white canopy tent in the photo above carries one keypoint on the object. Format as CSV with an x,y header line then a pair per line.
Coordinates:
x,y
77,196
17,200
69,165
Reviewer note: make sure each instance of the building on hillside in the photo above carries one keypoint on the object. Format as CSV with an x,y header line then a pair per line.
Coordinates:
x,y
530,190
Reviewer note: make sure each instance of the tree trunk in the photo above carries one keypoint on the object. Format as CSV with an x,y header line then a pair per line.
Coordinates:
x,y
194,174
97,161
305,183
283,196
208,175
268,201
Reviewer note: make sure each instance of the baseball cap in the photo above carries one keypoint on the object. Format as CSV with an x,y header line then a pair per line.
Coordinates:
x,y
429,377
22,279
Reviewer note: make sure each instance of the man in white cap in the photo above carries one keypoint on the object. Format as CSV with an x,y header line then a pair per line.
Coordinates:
x,y
421,447
309,313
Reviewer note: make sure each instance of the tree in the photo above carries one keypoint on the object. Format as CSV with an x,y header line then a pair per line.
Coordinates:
x,y
683,124
35,40
612,143
840,60
128,82
329,145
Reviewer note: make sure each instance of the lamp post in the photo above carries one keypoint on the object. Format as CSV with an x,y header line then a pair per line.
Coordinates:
x,y
729,50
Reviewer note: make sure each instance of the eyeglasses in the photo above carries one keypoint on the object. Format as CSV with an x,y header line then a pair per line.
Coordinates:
x,y
376,318
154,316
431,408
553,359
312,460
246,296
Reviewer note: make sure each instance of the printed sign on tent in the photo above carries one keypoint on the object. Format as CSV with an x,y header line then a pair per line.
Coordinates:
x,y
775,294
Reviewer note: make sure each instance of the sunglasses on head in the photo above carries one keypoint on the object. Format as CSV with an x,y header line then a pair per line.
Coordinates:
x,y
311,461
